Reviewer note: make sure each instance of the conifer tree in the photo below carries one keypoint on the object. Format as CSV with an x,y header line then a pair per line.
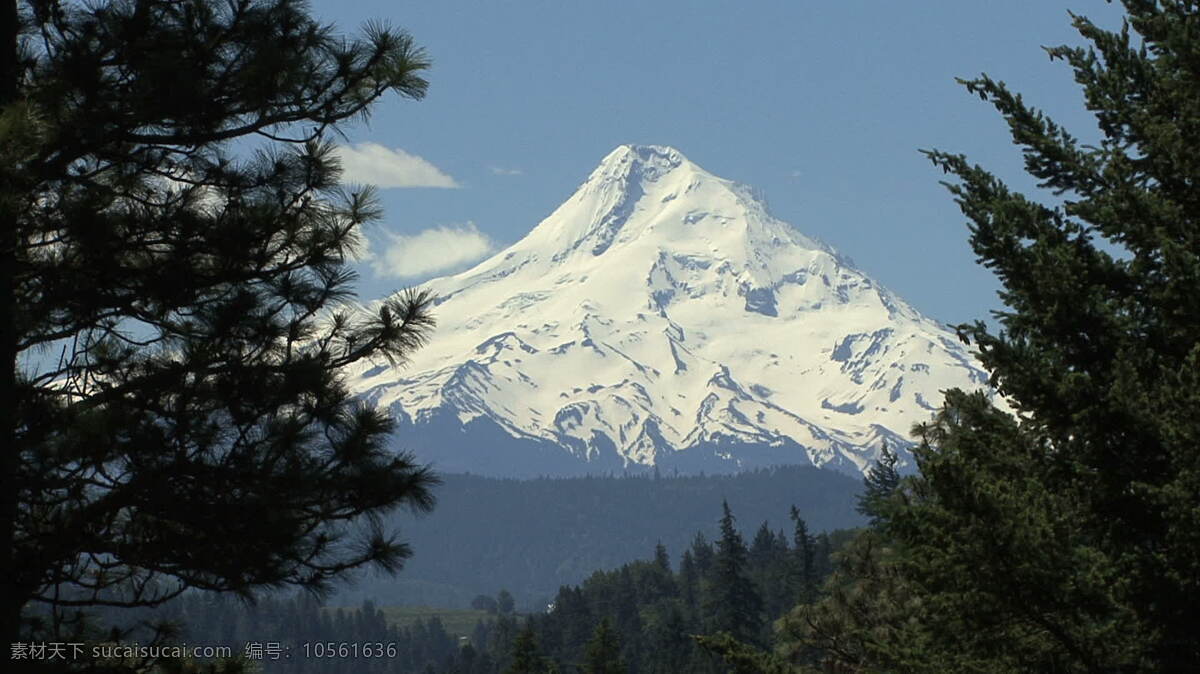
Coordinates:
x,y
702,554
881,481
661,558
603,653
769,571
762,548
733,605
173,278
525,656
628,619
741,658
1067,538
689,581
804,554
572,611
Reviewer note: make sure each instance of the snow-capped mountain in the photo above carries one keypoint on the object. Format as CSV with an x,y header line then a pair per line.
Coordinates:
x,y
661,316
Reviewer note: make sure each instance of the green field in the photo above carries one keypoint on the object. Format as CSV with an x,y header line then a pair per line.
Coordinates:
x,y
458,622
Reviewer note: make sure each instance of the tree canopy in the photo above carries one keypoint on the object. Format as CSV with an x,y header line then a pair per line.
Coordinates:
x,y
732,599
878,485
174,280
1064,537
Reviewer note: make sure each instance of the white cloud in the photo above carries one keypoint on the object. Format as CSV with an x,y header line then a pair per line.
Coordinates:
x,y
433,250
501,171
374,164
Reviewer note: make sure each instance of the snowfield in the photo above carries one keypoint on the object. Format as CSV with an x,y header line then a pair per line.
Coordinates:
x,y
662,317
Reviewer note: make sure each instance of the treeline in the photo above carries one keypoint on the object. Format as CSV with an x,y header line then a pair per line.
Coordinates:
x,y
640,618
637,618
1065,537
533,536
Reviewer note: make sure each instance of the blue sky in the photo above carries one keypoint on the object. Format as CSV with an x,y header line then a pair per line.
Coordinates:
x,y
822,105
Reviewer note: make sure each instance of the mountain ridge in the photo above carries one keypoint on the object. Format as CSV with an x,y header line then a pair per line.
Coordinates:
x,y
615,333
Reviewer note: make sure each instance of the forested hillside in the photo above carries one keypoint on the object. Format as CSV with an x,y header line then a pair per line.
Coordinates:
x,y
639,617
533,536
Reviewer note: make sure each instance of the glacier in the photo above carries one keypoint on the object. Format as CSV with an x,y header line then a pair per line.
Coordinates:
x,y
662,317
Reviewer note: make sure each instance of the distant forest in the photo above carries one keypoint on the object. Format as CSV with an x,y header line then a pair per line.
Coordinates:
x,y
530,537
634,618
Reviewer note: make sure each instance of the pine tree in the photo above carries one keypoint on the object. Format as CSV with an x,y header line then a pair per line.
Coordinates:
x,y
689,582
571,610
732,604
625,605
865,620
762,548
653,580
661,558
879,484
668,645
525,656
1067,538
603,652
741,658
768,569
779,591
702,554
173,311
804,565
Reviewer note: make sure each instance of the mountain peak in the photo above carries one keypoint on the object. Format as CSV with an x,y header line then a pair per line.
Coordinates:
x,y
661,315
656,156
642,199
638,164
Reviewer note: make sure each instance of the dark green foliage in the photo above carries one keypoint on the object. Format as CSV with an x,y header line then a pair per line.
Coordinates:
x,y
525,656
666,639
769,566
174,311
645,607
1096,489
804,564
702,552
648,625
741,658
878,485
762,547
603,652
867,616
731,600
1066,539
661,558
689,582
501,638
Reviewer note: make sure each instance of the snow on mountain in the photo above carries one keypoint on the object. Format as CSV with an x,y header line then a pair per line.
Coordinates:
x,y
661,316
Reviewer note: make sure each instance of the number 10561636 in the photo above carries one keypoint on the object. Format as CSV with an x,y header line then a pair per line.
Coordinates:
x,y
349,649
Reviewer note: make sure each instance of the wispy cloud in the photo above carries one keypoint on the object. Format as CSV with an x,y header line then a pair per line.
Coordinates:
x,y
501,171
375,164
433,250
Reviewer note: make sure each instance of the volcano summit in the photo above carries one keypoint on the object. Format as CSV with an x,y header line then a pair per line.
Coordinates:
x,y
662,317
